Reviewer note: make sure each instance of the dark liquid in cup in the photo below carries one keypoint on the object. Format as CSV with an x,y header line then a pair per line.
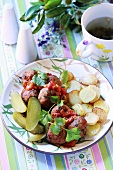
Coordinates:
x,y
101,28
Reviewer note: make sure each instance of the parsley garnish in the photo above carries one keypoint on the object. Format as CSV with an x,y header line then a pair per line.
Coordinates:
x,y
56,100
45,117
73,134
56,126
40,79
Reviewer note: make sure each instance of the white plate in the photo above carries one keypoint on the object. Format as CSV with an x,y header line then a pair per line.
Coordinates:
x,y
79,69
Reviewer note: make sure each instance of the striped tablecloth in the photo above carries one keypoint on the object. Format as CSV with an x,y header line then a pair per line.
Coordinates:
x,y
14,156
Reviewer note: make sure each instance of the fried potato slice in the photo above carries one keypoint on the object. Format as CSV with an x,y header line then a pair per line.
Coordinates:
x,y
87,95
70,76
79,109
101,113
97,90
73,85
102,104
93,130
89,79
87,107
74,97
91,118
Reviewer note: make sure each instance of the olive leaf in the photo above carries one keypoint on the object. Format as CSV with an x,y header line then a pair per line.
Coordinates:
x,y
39,24
32,10
31,13
56,12
65,20
24,19
39,3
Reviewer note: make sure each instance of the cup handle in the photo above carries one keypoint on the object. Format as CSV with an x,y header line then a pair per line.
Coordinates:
x,y
84,48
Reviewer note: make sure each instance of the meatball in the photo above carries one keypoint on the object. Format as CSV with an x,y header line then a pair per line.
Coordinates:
x,y
62,111
79,122
57,139
26,94
27,77
54,79
44,97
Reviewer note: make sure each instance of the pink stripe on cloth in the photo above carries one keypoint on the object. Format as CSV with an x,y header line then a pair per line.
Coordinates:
x,y
67,164
98,157
67,50
3,151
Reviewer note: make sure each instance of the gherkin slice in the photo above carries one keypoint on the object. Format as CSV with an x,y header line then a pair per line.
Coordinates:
x,y
33,113
19,119
17,102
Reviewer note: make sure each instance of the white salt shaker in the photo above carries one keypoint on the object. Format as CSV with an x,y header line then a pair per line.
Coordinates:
x,y
9,28
26,51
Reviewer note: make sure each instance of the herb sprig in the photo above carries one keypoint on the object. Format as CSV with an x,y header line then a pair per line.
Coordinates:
x,y
40,78
72,134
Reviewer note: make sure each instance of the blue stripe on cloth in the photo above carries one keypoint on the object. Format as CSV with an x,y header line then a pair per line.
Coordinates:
x,y
41,161
63,162
48,158
53,162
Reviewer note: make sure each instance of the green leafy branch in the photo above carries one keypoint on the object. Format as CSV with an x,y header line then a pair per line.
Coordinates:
x,y
68,13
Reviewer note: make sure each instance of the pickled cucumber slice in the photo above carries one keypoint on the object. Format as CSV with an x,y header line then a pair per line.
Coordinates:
x,y
17,102
33,113
19,119
36,137
38,129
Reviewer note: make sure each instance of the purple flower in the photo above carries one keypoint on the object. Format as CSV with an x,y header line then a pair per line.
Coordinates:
x,y
85,42
47,33
47,38
43,36
42,43
39,44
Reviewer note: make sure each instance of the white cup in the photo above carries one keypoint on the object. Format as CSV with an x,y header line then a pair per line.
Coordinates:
x,y
26,51
9,28
91,46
